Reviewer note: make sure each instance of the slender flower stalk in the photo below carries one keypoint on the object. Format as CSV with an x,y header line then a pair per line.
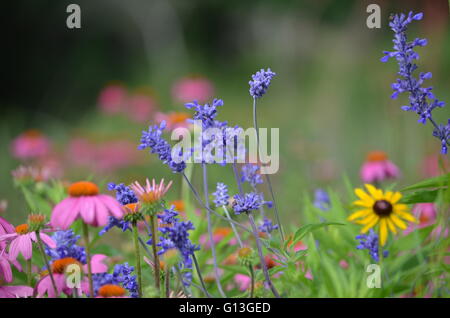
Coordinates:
x,y
199,273
269,183
88,259
155,252
200,201
252,283
261,256
210,231
236,233
29,274
138,257
167,282
47,264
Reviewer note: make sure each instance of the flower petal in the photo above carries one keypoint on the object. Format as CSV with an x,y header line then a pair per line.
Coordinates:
x,y
399,223
383,231
377,194
370,224
359,214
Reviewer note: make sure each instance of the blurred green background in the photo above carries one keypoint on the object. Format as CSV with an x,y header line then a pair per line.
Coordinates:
x,y
331,98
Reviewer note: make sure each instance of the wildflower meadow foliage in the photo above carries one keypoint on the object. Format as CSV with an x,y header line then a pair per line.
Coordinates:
x,y
197,235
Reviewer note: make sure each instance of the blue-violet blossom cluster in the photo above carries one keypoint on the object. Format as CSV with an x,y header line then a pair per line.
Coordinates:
x,y
421,99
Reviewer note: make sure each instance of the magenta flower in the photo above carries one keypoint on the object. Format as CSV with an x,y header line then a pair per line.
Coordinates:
x,y
243,281
140,108
45,287
15,291
192,88
5,228
21,241
112,99
31,144
5,267
378,168
86,203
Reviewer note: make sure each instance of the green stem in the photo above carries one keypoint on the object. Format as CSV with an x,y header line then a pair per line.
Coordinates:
x,y
138,257
261,256
88,259
252,286
167,282
155,253
29,276
47,264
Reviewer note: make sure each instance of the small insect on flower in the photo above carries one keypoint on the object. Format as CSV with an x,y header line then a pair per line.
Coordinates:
x,y
85,202
378,168
380,208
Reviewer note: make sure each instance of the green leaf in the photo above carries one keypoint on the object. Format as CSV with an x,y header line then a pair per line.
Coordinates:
x,y
423,196
308,228
436,182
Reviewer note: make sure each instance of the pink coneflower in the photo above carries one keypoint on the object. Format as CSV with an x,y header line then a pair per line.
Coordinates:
x,y
426,214
31,144
151,192
113,155
173,119
85,202
141,107
378,168
192,88
15,291
21,241
45,287
112,99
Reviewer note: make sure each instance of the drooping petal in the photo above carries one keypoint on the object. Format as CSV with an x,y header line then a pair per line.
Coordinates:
x,y
87,210
399,223
48,240
391,225
383,231
406,216
26,246
370,224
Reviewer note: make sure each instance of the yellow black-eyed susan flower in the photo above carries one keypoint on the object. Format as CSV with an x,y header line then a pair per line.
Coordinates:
x,y
382,209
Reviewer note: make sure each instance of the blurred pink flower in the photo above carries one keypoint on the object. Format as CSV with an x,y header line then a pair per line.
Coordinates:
x,y
218,235
31,144
103,157
434,165
112,99
192,88
243,281
378,168
426,213
114,155
343,263
140,107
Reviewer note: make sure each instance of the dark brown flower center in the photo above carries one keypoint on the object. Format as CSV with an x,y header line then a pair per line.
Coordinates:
x,y
382,207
